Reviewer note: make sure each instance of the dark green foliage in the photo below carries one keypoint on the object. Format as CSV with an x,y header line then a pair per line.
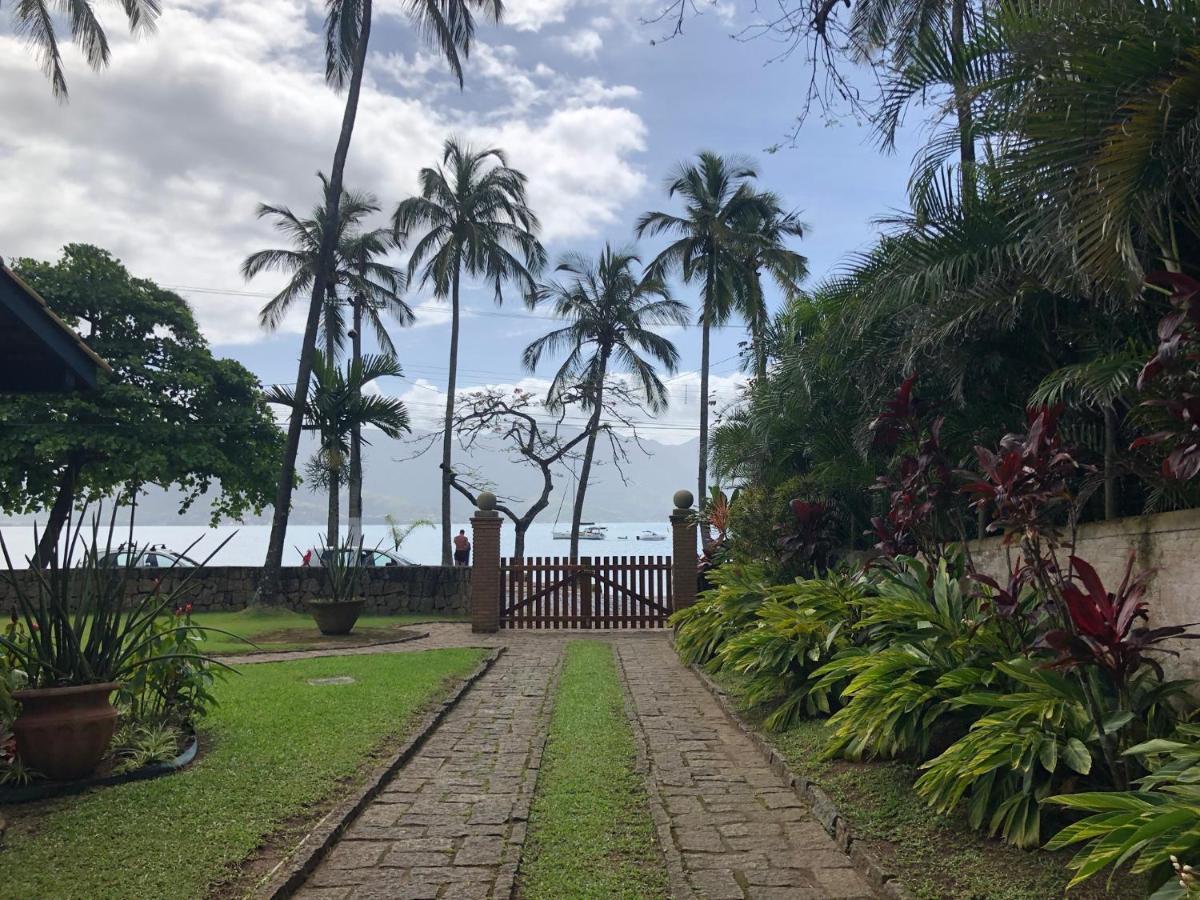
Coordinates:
x,y
170,415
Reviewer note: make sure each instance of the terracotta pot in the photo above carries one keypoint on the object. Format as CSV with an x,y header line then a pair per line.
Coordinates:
x,y
63,732
335,618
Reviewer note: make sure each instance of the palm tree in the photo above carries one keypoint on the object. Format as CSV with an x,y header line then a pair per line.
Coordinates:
x,y
450,25
768,253
369,286
715,238
34,20
610,312
336,408
474,218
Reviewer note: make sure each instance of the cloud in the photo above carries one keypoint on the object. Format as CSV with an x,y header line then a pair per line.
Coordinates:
x,y
585,43
163,157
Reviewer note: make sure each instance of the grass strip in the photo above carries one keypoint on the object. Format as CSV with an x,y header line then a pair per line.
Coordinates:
x,y
285,629
590,829
934,856
278,747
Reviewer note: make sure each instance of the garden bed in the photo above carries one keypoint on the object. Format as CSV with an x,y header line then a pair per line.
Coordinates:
x,y
283,630
931,855
279,752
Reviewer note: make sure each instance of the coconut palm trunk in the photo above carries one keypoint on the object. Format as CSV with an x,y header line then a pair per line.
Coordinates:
x,y
589,453
356,473
705,354
448,432
268,585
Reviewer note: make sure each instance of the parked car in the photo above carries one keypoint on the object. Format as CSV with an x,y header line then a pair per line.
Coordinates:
x,y
149,557
369,557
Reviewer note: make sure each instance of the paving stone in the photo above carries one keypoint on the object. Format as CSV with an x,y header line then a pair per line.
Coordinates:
x,y
738,828
447,818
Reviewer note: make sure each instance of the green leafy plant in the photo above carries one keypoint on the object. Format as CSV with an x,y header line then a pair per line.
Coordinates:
x,y
84,622
174,687
1035,741
923,641
799,626
143,745
1151,828
342,568
720,613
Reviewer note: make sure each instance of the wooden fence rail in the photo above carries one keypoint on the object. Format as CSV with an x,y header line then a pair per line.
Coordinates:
x,y
601,592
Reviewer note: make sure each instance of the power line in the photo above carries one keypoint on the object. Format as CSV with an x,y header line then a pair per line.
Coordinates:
x,y
472,311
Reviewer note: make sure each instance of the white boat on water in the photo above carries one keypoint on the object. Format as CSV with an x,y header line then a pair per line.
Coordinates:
x,y
651,536
586,533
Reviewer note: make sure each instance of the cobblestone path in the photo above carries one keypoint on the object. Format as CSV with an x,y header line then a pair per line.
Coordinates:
x,y
736,828
452,823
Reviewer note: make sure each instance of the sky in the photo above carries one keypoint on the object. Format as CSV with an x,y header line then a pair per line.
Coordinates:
x,y
163,158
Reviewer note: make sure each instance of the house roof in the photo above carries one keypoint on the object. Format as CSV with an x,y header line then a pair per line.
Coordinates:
x,y
38,350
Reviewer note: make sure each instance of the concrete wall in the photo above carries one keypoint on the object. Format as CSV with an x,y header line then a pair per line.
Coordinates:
x,y
1168,543
399,589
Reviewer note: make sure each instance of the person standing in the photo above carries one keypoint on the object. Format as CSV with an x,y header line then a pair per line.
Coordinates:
x,y
462,548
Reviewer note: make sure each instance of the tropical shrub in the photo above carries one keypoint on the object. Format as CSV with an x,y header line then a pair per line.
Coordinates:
x,y
798,627
923,640
1036,741
720,613
1156,829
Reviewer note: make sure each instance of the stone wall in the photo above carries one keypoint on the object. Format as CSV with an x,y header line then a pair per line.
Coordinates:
x,y
1168,543
400,589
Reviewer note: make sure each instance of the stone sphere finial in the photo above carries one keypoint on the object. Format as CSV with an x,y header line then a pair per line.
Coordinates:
x,y
486,501
683,499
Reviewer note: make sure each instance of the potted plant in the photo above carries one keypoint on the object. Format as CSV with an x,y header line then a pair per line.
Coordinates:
x,y
339,609
85,632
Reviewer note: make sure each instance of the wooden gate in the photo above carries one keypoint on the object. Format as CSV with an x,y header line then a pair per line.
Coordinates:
x,y
605,592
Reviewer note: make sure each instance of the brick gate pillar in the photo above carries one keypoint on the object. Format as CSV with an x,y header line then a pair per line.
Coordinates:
x,y
485,571
683,552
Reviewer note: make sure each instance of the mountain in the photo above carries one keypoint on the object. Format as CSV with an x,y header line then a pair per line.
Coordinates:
x,y
407,487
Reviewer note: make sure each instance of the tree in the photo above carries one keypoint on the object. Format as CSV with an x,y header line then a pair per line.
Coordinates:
x,y
336,409
171,415
768,251
369,286
475,219
610,311
34,20
448,24
512,419
715,237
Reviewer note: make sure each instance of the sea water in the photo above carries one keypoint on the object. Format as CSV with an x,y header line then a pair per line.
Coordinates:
x,y
246,545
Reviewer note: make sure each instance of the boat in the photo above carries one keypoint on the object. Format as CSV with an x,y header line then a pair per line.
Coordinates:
x,y
651,536
588,533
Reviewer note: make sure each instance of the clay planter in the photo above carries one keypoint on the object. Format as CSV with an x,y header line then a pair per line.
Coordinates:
x,y
63,732
336,617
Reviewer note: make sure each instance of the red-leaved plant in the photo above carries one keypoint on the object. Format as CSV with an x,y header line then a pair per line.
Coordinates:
x,y
809,543
1173,378
1024,484
1110,629
921,489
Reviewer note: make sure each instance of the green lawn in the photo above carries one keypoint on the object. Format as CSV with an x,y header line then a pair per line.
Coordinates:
x,y
282,629
934,856
276,747
590,829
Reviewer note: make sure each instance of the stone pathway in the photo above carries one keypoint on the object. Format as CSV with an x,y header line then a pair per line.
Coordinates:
x,y
452,823
736,828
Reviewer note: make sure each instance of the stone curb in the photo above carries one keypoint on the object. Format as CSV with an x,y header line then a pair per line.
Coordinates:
x,y
821,804
290,875
264,656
